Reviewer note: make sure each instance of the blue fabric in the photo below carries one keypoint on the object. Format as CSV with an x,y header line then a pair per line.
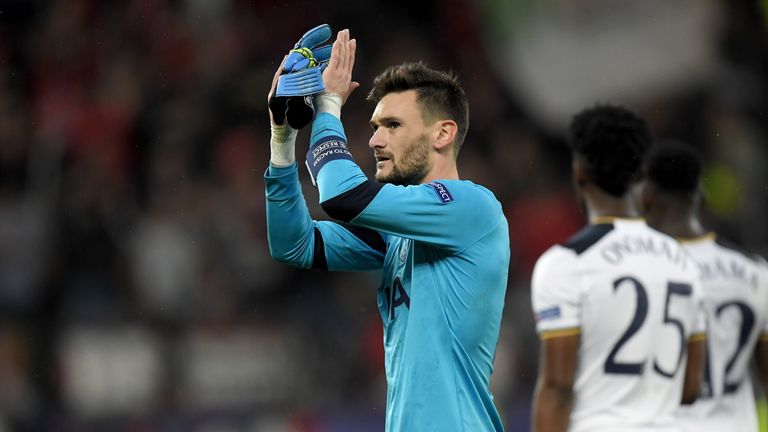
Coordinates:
x,y
290,229
302,83
444,277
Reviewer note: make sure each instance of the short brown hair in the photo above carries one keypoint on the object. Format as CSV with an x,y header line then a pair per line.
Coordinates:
x,y
438,92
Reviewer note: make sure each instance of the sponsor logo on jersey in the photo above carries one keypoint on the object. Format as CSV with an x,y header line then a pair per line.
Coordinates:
x,y
442,192
549,313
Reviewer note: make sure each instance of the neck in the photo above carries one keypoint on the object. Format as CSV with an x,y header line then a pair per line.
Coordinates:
x,y
602,204
680,222
439,171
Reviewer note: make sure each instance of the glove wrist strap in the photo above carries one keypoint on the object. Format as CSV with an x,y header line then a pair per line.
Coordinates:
x,y
282,145
303,82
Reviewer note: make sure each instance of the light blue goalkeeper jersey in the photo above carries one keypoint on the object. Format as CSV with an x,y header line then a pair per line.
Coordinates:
x,y
443,249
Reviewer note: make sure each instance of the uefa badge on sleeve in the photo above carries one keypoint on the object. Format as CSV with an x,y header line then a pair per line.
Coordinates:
x,y
441,191
547,314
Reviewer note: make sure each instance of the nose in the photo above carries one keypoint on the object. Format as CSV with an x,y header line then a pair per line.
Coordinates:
x,y
377,140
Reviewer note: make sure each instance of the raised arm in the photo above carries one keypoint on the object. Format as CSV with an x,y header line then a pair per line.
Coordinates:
x,y
295,238
450,214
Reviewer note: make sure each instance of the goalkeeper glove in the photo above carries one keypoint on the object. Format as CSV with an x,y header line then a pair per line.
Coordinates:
x,y
301,78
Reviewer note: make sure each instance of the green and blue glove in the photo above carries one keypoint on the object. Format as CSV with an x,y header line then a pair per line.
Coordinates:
x,y
301,79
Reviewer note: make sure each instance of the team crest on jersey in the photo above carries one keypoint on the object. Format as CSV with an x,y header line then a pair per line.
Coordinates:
x,y
549,313
404,246
442,192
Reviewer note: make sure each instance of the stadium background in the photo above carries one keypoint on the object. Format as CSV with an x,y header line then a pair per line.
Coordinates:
x,y
136,289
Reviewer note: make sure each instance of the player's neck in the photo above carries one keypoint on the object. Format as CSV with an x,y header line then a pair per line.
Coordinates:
x,y
680,223
446,171
600,204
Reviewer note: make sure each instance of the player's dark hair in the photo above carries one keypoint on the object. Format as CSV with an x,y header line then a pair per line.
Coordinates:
x,y
438,92
611,142
674,167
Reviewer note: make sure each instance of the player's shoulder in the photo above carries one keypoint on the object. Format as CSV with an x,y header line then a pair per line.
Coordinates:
x,y
587,237
464,193
634,234
556,272
466,188
558,259
728,247
563,257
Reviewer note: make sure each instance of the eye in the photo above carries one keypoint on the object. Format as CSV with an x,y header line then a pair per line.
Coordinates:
x,y
393,125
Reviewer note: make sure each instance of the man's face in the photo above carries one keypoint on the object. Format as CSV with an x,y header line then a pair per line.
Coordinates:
x,y
400,140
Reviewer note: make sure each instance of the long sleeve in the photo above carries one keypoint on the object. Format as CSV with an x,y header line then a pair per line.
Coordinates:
x,y
295,238
451,214
290,229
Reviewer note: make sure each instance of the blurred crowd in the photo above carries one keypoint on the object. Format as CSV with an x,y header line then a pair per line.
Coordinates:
x,y
136,288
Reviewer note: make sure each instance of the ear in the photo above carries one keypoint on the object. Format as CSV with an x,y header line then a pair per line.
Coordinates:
x,y
580,177
643,195
697,199
445,133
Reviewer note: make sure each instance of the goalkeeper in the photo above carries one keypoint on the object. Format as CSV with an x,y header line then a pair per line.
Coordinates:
x,y
442,243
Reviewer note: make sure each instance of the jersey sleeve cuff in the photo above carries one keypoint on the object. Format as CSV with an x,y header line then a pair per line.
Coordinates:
x,y
562,332
282,182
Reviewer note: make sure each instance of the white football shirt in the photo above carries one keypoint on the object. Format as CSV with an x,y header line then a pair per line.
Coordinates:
x,y
735,288
633,294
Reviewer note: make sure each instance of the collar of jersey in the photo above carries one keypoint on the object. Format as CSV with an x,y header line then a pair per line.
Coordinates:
x,y
710,236
600,220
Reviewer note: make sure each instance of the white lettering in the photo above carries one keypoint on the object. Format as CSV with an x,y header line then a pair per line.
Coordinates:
x,y
320,157
614,252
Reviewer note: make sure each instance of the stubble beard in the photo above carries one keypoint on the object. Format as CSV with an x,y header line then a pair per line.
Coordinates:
x,y
412,166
